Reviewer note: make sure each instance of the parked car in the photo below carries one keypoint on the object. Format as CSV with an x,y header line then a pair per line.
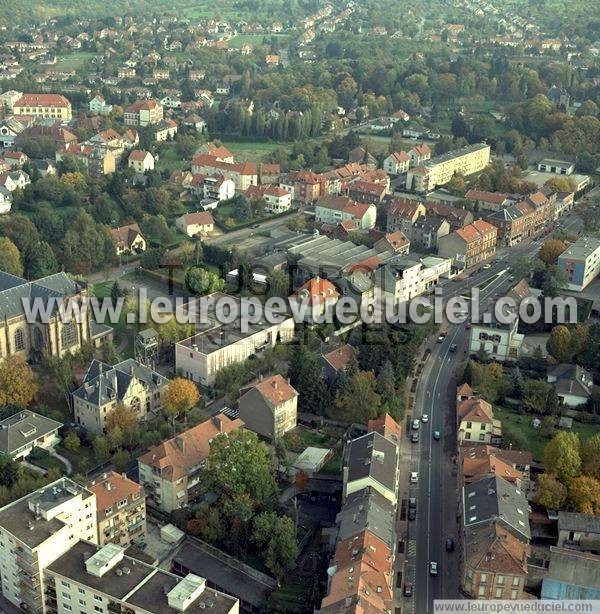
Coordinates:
x,y
468,326
408,589
416,424
412,514
449,545
487,266
453,347
412,503
436,435
433,568
415,437
414,477
440,339
425,418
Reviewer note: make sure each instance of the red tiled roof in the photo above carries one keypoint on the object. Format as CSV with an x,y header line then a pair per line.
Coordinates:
x,y
316,290
340,357
275,390
42,100
138,155
201,218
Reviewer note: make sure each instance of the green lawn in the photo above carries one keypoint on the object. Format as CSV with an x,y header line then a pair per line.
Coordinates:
x,y
41,458
517,429
75,60
253,151
170,160
254,39
83,460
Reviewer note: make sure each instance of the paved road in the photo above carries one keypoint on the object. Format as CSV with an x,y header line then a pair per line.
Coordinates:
x,y
437,490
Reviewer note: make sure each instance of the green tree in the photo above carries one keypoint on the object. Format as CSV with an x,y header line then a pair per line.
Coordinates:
x,y
241,465
552,403
276,538
590,456
559,344
562,456
551,250
517,386
200,281
71,442
10,471
40,261
358,402
584,495
386,382
101,448
10,258
550,492
278,284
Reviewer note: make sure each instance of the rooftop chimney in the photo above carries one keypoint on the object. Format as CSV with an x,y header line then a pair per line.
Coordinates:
x,y
218,423
180,443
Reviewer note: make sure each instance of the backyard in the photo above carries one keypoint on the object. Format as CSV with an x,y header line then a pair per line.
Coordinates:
x,y
75,60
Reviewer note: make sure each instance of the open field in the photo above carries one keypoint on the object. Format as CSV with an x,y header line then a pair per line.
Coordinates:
x,y
73,61
253,151
254,39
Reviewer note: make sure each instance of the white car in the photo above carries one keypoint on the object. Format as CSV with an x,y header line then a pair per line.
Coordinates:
x,y
487,266
433,568
415,425
414,477
424,418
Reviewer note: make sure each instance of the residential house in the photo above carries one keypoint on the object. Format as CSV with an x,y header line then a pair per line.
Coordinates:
x,y
26,430
129,239
269,407
214,189
15,159
8,99
495,564
120,509
402,215
336,361
164,130
395,242
336,209
99,106
96,161
476,422
385,425
427,231
170,472
418,154
243,174
195,224
371,461
105,387
367,192
277,199
457,217
140,161
52,106
10,128
500,341
316,297
305,186
5,200
573,384
396,163
220,152
469,246
482,461
143,113
492,201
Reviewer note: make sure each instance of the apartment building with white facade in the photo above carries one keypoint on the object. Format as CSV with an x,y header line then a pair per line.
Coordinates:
x,y
92,580
37,529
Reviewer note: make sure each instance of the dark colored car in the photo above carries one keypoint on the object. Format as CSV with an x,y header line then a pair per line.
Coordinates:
x,y
412,503
412,514
453,347
449,545
408,589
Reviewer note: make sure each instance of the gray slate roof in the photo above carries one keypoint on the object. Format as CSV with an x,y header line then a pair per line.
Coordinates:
x,y
104,383
584,523
14,289
374,456
22,428
495,498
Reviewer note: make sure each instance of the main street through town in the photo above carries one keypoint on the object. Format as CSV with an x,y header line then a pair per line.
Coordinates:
x,y
437,490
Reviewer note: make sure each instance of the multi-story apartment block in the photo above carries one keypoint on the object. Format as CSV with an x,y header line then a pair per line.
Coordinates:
x,y
120,509
402,215
243,174
581,263
88,580
469,246
104,387
143,113
396,163
37,529
219,344
476,423
53,106
269,407
439,170
501,341
170,472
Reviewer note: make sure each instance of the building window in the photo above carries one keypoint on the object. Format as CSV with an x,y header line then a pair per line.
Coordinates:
x,y
516,581
69,335
500,579
19,340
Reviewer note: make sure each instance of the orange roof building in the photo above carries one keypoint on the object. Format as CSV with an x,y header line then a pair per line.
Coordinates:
x,y
169,471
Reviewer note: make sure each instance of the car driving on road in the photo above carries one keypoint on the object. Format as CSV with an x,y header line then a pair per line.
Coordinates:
x,y
433,568
414,477
416,424
424,418
436,435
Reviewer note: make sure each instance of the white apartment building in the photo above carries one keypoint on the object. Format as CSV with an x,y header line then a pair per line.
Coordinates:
x,y
439,170
37,529
219,345
501,342
92,580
